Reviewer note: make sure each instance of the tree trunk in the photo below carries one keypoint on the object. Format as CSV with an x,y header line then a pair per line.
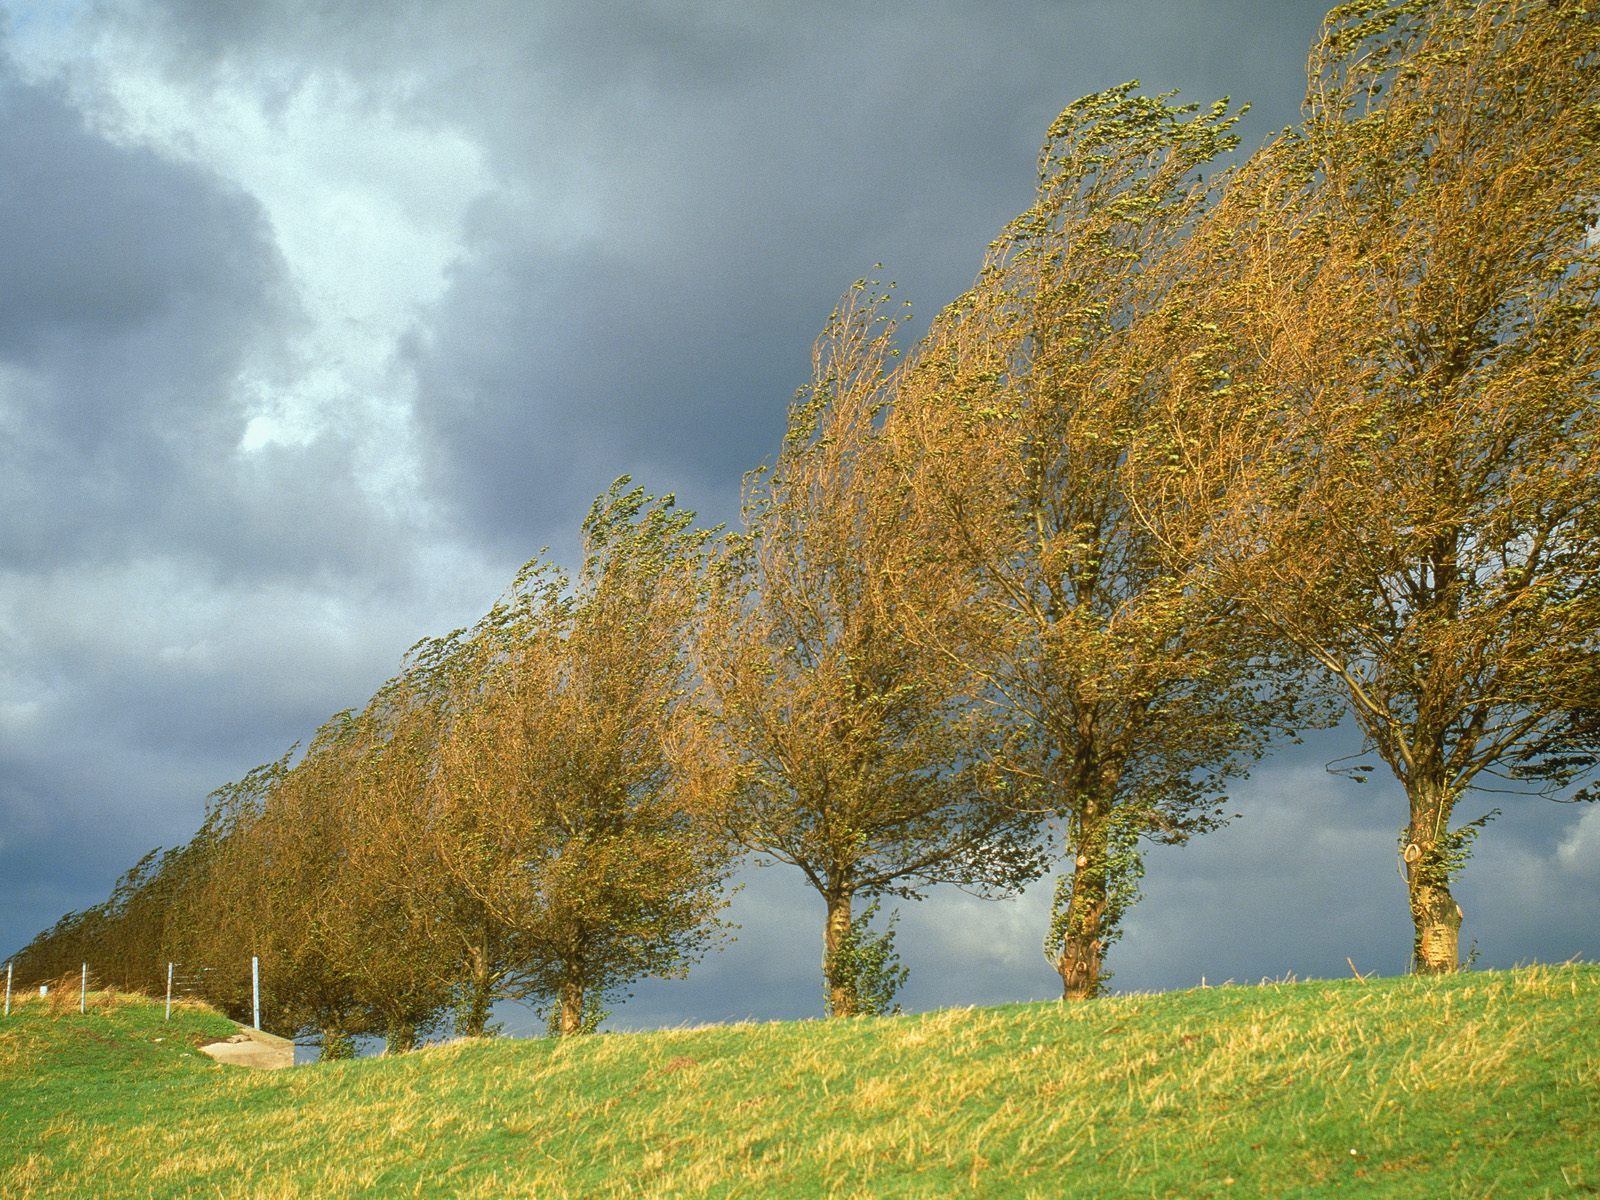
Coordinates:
x,y
473,1017
1083,931
400,1037
836,973
336,1044
571,1021
1436,948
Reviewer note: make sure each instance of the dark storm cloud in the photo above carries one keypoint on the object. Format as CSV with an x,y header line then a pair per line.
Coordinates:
x,y
547,377
152,644
134,287
687,188
139,290
725,199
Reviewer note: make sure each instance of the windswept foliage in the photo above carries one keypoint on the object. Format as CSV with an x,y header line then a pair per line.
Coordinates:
x,y
856,751
1389,452
572,804
1124,691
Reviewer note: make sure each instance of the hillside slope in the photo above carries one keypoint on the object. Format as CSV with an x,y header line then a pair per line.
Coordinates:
x,y
1477,1085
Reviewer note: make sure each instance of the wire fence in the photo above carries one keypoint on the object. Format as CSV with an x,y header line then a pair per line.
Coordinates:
x,y
184,983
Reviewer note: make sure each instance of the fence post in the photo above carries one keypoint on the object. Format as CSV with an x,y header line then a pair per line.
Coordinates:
x,y
8,989
169,991
255,992
83,988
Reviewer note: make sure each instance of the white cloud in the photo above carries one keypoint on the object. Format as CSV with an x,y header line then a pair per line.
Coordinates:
x,y
1579,850
366,208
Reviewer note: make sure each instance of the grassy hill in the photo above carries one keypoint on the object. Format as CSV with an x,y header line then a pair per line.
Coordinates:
x,y
1478,1085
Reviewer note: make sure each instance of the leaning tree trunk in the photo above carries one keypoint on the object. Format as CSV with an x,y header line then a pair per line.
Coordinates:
x,y
836,973
570,1021
400,1037
1436,916
336,1043
1083,929
473,1017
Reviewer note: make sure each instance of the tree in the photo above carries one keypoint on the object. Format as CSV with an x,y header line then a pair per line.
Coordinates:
x,y
1390,455
277,896
383,924
572,804
425,835
1126,695
855,752
214,915
294,882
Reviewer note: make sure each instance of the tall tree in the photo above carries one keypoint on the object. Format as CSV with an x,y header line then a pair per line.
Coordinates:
x,y
856,752
384,923
437,828
279,887
575,808
214,915
1126,693
1390,450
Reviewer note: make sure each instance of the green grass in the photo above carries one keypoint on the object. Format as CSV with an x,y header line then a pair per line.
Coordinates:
x,y
1482,1084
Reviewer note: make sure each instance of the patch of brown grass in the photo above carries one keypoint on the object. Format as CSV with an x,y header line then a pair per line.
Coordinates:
x,y
66,995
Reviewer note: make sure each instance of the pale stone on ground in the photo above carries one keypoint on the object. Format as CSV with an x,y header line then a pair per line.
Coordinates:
x,y
252,1048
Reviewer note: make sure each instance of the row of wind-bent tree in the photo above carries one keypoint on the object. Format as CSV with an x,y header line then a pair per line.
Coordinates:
x,y
527,811
1383,426
1191,460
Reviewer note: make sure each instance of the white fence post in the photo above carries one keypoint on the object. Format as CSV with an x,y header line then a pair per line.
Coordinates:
x,y
255,992
8,989
83,988
169,991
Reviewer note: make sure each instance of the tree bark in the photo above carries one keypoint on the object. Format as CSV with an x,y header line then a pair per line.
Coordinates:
x,y
400,1037
474,1016
841,992
1083,936
336,1044
571,1020
1436,948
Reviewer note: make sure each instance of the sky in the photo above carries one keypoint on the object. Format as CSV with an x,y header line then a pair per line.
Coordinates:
x,y
320,317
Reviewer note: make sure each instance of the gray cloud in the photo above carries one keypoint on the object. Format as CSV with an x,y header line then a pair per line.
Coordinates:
x,y
172,609
145,298
685,189
135,286
714,206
